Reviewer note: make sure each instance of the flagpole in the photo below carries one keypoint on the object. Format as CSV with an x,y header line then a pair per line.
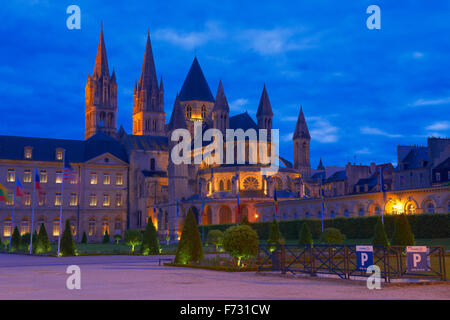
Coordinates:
x,y
12,219
381,194
321,197
203,219
61,202
32,209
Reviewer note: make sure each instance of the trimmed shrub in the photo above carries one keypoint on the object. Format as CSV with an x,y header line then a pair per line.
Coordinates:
x,y
240,242
25,241
84,239
380,237
245,221
16,243
403,235
190,246
305,237
1,243
150,243
274,236
215,237
42,242
106,238
133,238
427,226
117,237
67,243
331,236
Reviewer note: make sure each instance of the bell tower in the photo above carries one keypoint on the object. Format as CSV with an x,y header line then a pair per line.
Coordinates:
x,y
101,96
302,141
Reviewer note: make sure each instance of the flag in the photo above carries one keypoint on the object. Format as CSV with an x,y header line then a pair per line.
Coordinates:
x,y
203,209
68,173
19,189
276,201
37,180
5,196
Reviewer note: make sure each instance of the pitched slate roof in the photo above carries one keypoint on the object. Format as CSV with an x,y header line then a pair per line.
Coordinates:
x,y
221,100
301,128
148,79
157,174
243,121
137,142
177,119
264,107
44,149
101,61
195,86
337,176
416,158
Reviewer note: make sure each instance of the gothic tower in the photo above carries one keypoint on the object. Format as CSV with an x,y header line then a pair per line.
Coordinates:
x,y
221,110
264,114
101,96
302,141
148,100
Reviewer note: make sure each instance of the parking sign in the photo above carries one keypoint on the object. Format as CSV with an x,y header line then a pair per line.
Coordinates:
x,y
416,258
364,257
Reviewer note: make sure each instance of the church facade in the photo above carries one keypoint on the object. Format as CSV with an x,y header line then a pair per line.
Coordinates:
x,y
123,179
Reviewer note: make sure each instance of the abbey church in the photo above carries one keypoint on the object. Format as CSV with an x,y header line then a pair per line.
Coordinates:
x,y
124,179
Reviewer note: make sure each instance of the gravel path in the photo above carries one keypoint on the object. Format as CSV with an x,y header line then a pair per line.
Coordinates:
x,y
139,277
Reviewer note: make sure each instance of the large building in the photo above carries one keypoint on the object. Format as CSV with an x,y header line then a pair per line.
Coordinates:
x,y
122,179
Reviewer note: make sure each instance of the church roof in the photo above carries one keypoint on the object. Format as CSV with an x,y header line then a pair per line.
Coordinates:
x,y
195,86
320,166
221,100
44,149
148,78
101,61
177,119
138,142
416,158
243,121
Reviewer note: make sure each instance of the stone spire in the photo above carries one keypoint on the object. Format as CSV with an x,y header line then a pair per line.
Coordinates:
x,y
264,108
221,102
321,166
101,61
301,129
148,78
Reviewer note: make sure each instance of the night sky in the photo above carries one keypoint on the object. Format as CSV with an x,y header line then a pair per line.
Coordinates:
x,y
363,91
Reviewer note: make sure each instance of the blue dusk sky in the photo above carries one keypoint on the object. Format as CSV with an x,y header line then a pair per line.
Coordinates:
x,y
363,91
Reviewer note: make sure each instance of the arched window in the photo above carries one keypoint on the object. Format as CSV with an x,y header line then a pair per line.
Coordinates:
x,y
430,207
152,164
203,112
361,211
221,186
91,227
251,183
346,213
307,214
228,184
102,119
188,111
225,215
332,214
110,120
377,210
278,183
410,209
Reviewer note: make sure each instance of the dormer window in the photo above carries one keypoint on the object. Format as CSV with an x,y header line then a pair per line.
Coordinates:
x,y
28,153
59,154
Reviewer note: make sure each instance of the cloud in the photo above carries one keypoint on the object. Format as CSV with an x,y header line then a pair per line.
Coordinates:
x,y
322,130
287,137
190,40
278,40
430,102
417,55
439,126
378,132
238,104
363,151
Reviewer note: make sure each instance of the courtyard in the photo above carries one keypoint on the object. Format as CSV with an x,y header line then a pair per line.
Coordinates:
x,y
140,277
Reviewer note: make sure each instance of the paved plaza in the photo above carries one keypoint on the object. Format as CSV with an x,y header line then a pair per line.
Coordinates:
x,y
140,277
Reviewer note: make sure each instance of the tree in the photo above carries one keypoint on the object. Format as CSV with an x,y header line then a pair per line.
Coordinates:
x,y
331,236
117,237
215,237
245,221
1,243
240,242
42,242
274,235
84,239
67,243
16,244
305,236
106,237
150,243
190,245
25,241
380,237
403,235
133,237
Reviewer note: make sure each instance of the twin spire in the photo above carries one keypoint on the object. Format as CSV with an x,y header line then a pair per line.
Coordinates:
x,y
264,108
101,61
301,129
148,78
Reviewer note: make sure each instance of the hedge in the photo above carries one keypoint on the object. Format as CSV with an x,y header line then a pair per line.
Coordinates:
x,y
424,226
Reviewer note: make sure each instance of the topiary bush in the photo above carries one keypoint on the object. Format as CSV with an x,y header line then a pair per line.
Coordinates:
x,y
133,238
403,235
274,236
331,236
215,237
67,244
305,237
241,242
380,237
42,242
190,246
117,237
106,238
84,239
16,243
150,243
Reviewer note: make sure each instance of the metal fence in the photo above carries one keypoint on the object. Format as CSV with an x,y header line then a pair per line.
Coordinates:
x,y
341,261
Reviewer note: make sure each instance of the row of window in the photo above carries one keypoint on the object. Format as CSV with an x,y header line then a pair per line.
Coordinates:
x,y
25,227
43,177
73,199
28,153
